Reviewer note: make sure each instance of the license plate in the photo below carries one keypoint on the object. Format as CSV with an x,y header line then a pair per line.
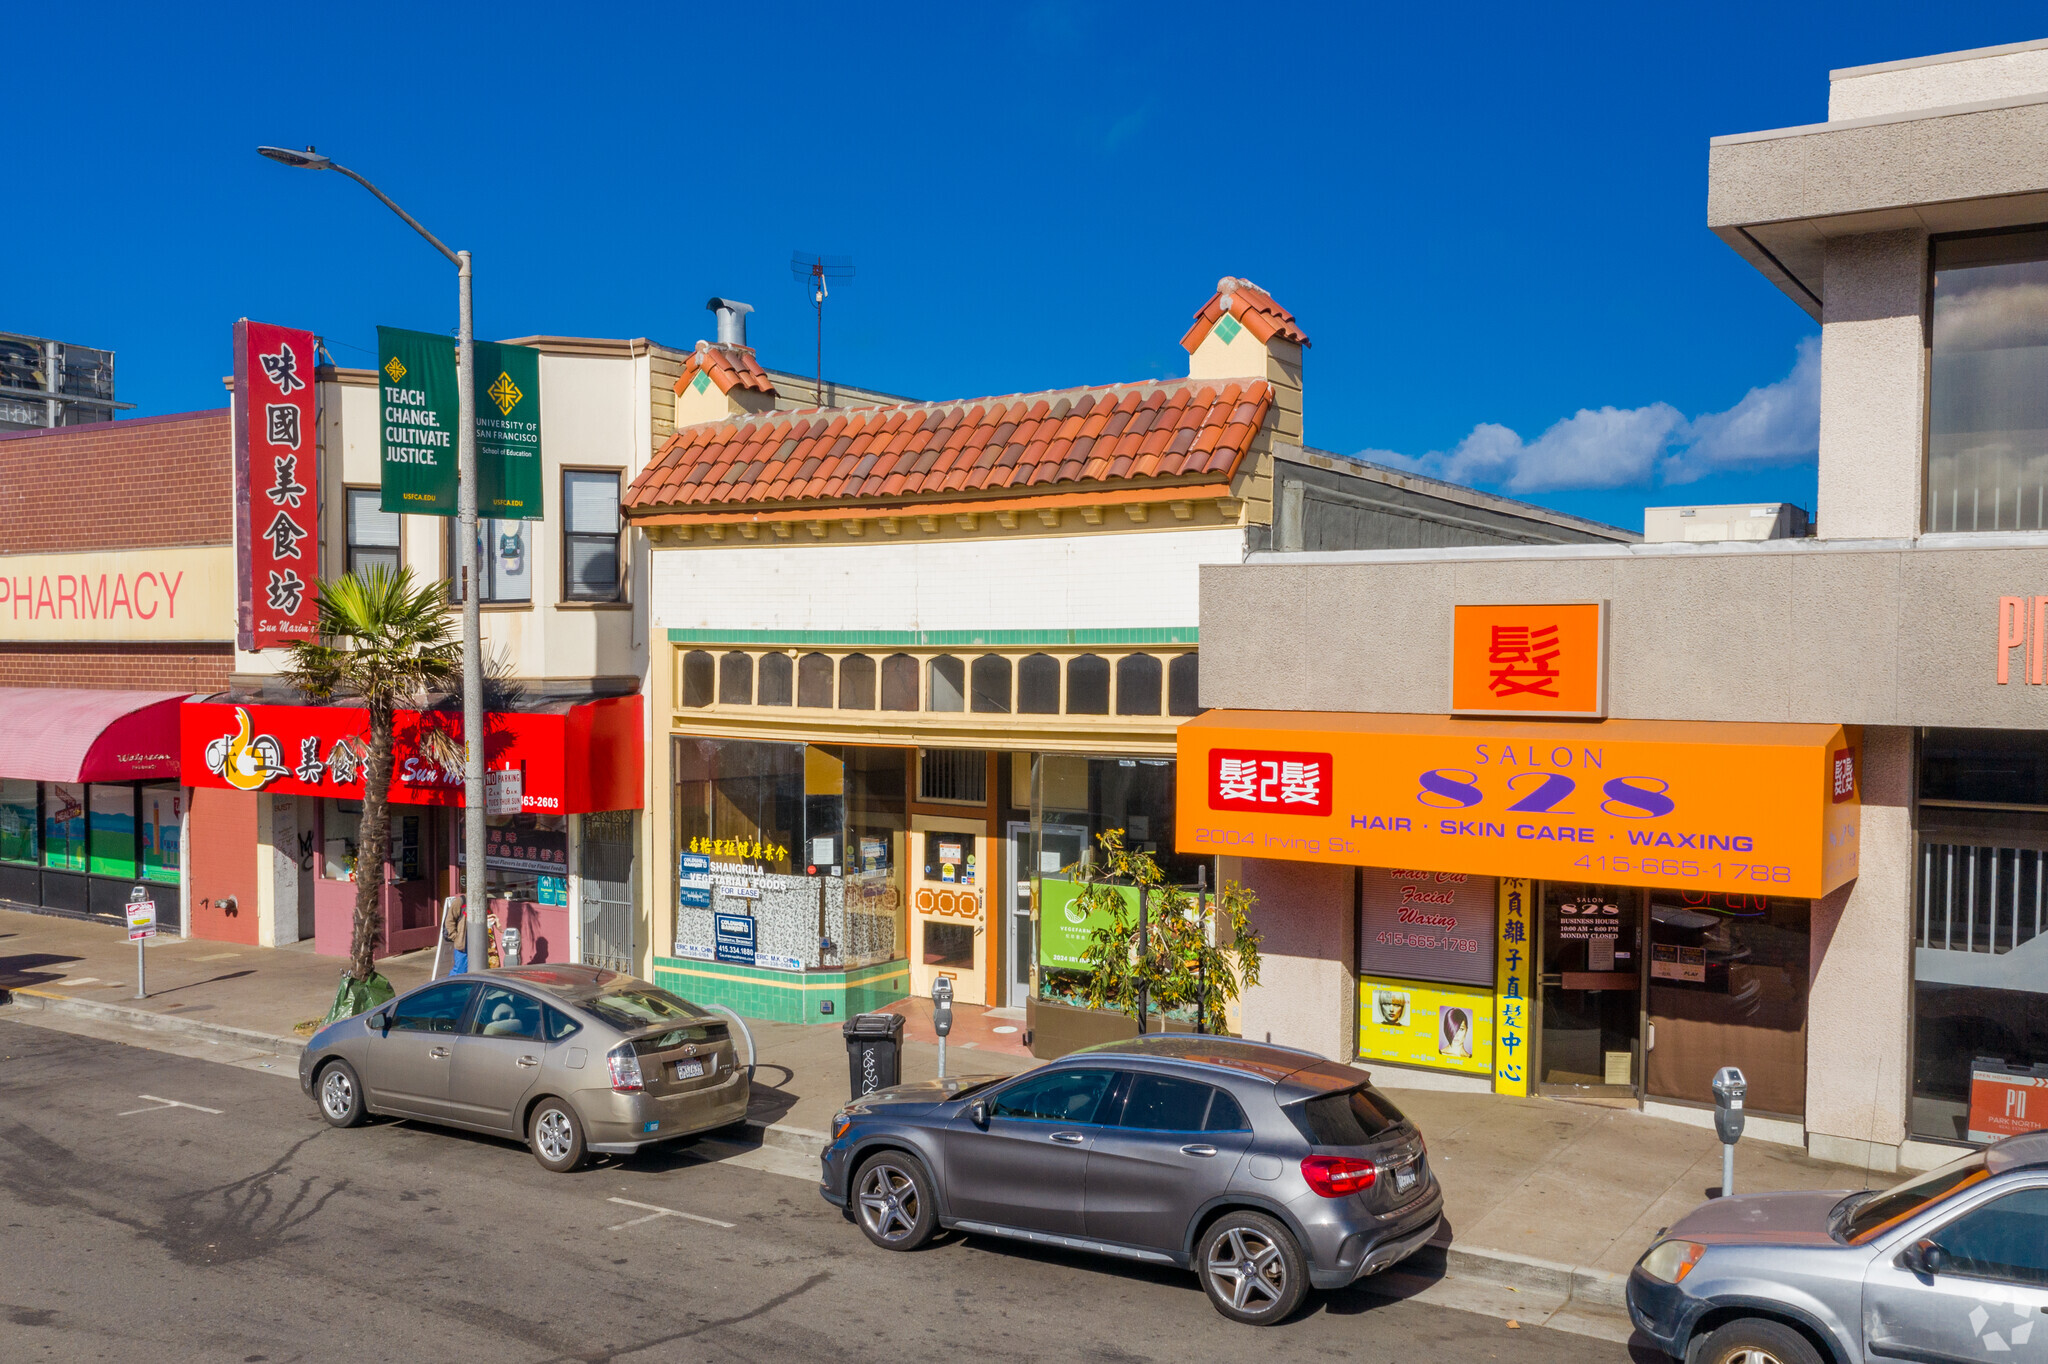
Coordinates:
x,y
689,1070
1404,1179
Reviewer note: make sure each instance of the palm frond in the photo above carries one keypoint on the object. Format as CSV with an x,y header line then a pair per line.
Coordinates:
x,y
384,641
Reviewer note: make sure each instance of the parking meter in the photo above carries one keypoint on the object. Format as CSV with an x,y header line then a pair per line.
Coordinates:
x,y
942,1016
1729,1091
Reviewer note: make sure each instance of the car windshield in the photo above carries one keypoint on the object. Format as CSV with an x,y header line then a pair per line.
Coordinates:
x,y
639,1006
1865,1219
1351,1117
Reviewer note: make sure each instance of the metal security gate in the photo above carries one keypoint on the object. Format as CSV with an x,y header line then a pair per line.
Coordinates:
x,y
607,890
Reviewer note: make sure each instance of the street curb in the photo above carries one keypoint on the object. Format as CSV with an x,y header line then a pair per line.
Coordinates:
x,y
1599,1289
798,1139
50,1002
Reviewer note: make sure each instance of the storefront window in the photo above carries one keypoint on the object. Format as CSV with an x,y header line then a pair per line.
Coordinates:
x,y
1728,986
1426,959
162,848
17,820
64,826
1980,936
1987,440
111,830
340,820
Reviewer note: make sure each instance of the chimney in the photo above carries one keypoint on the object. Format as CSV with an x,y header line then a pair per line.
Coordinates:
x,y
732,320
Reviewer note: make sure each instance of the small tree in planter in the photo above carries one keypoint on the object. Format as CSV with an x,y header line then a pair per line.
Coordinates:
x,y
1177,969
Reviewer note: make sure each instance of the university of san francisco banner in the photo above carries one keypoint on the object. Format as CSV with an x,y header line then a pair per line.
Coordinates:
x,y
277,482
420,426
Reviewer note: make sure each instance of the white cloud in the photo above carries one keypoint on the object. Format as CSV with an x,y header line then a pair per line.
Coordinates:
x,y
1638,446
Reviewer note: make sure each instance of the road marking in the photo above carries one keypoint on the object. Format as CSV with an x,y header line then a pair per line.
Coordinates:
x,y
166,1103
653,1212
76,980
218,956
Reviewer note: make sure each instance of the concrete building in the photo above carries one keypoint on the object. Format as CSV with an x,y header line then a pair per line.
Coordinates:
x,y
1803,795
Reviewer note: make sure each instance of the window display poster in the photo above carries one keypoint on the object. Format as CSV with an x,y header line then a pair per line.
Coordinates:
x,y
1063,927
1442,1026
1672,961
2006,1100
1423,925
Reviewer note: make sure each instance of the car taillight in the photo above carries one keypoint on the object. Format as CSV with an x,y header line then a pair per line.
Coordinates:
x,y
1338,1176
625,1068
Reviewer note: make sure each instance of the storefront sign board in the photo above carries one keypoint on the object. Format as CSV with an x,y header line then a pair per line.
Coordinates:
x,y
277,485
129,595
1425,1023
1685,805
1514,970
541,851
1546,659
420,425
1422,925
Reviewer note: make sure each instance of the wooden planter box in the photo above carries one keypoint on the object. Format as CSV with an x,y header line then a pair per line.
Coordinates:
x,y
1057,1029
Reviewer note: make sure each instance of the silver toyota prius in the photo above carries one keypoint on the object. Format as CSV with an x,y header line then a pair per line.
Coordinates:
x,y
571,1060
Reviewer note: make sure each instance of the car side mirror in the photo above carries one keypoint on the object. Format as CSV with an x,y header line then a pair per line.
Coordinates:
x,y
1924,1257
380,1020
977,1112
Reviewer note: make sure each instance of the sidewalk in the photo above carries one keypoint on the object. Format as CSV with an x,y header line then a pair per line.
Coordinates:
x,y
1555,1199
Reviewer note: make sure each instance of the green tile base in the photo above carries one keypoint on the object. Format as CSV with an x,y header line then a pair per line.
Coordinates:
x,y
785,996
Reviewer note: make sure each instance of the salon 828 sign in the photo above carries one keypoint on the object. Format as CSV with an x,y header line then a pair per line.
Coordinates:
x,y
277,486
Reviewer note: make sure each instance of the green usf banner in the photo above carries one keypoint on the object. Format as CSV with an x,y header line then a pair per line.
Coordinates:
x,y
508,432
420,421
421,424
1063,927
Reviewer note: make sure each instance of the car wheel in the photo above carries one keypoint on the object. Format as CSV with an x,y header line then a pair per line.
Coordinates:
x,y
556,1136
894,1197
1755,1340
1252,1269
341,1094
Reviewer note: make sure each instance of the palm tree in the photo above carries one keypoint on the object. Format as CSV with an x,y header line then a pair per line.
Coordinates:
x,y
383,643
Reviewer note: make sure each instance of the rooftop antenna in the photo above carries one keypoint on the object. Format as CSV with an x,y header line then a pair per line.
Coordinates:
x,y
817,274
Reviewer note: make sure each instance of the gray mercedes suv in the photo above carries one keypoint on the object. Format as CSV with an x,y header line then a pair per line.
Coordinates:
x,y
1265,1170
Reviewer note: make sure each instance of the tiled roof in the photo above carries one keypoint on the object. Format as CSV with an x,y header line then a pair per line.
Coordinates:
x,y
729,367
1149,433
1254,309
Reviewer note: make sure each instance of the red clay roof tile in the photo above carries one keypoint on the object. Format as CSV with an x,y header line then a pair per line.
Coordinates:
x,y
1252,306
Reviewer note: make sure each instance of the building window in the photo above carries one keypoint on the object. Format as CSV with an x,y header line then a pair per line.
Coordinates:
x,y
372,532
1038,685
778,680
64,826
1088,685
952,774
504,560
1987,433
590,536
340,821
856,682
948,684
736,679
992,685
1137,685
699,670
899,682
814,681
1182,690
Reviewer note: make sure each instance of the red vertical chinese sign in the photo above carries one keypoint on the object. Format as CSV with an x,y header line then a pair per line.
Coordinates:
x,y
277,485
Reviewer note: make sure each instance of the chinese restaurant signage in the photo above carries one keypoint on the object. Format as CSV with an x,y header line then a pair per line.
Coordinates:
x,y
420,408
1685,805
277,485
542,851
1427,925
1535,660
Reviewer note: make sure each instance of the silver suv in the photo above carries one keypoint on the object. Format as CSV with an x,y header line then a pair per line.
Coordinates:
x,y
1949,1266
1263,1169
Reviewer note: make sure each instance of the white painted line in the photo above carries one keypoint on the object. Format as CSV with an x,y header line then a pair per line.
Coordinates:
x,y
78,980
166,1103
654,1211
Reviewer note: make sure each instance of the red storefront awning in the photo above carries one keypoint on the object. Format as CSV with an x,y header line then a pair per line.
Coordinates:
x,y
576,759
76,734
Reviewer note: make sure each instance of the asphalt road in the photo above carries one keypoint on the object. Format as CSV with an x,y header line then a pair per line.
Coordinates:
x,y
237,1226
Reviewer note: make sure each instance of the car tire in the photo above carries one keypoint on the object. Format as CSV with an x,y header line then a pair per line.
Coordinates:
x,y
1252,1268
339,1092
1757,1340
892,1201
555,1134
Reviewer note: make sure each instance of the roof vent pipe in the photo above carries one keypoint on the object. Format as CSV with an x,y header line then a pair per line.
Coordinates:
x,y
732,320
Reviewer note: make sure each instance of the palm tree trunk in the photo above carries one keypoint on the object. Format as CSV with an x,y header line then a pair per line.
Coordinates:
x,y
373,845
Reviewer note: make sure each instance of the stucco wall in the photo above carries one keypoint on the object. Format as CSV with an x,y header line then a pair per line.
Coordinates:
x,y
1307,994
1873,385
1931,83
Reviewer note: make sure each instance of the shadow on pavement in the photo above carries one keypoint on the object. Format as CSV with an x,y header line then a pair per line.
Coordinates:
x,y
32,968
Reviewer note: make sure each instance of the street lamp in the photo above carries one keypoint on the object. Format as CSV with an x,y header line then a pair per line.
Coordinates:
x,y
477,937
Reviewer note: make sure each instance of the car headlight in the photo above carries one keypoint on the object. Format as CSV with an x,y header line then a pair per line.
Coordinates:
x,y
1671,1261
840,1122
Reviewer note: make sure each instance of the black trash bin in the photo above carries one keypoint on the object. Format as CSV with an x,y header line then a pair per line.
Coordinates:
x,y
874,1051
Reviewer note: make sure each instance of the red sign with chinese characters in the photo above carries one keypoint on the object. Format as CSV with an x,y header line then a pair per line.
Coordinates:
x,y
277,485
1269,782
1844,774
1540,659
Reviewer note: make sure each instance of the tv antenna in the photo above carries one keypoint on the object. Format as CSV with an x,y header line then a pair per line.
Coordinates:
x,y
817,274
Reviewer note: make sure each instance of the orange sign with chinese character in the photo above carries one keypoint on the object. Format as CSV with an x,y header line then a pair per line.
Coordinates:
x,y
1536,659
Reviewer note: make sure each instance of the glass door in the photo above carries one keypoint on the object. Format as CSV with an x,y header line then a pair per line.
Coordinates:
x,y
1018,869
1591,978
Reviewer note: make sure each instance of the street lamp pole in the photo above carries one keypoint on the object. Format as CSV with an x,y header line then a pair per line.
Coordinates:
x,y
477,936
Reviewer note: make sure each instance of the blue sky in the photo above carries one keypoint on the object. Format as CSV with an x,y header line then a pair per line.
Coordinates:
x,y
1488,218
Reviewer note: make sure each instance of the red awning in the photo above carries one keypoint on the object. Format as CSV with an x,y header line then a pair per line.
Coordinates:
x,y
73,734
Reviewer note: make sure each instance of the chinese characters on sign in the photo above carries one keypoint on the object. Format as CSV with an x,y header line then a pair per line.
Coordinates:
x,y
1275,783
1542,659
1514,970
740,849
277,514
1844,768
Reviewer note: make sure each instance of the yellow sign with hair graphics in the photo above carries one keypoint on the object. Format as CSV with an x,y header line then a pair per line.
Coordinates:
x,y
1420,1023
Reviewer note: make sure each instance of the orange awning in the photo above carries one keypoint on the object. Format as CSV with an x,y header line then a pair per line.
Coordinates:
x,y
1763,808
